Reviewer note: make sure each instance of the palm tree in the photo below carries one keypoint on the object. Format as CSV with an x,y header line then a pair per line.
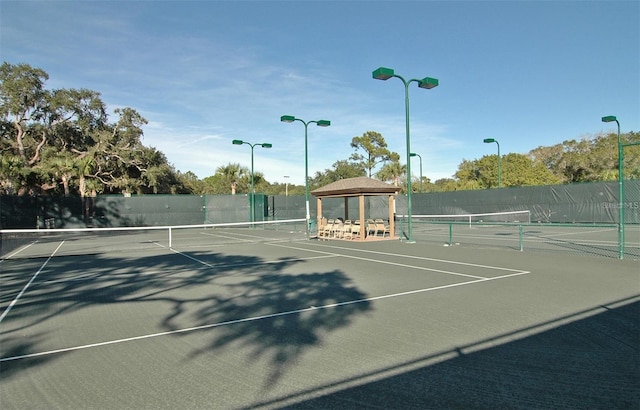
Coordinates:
x,y
231,174
392,170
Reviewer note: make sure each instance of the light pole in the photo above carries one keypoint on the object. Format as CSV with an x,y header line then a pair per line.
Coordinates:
x,y
489,141
286,185
251,195
319,123
383,73
413,154
612,118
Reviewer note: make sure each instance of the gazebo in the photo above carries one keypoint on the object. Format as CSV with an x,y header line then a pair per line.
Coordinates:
x,y
359,187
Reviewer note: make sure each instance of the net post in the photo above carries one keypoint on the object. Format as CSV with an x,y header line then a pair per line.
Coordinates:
x,y
170,238
450,233
521,237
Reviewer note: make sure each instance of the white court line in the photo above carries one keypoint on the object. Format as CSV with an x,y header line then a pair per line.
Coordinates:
x,y
404,265
248,263
242,237
250,319
17,252
217,235
14,301
407,257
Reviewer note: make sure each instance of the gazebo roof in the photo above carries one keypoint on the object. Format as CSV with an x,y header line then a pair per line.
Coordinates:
x,y
355,186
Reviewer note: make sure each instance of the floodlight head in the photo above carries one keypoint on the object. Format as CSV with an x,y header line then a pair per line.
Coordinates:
x,y
412,154
609,118
488,140
237,142
383,73
323,123
428,83
287,118
266,145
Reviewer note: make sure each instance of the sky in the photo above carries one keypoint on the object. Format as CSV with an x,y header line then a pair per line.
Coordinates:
x,y
203,73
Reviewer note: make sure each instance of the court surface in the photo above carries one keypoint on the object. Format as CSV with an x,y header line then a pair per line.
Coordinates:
x,y
310,324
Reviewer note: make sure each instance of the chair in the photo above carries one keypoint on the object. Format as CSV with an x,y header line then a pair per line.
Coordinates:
x,y
371,227
347,230
321,225
355,230
327,229
336,230
381,227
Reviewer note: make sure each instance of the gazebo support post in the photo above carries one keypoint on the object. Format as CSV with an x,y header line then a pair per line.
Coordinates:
x,y
346,208
392,227
363,227
319,215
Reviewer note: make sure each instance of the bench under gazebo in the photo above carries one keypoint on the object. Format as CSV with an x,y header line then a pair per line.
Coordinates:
x,y
359,187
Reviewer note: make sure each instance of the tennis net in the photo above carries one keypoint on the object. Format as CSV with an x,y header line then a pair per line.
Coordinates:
x,y
34,243
514,230
490,217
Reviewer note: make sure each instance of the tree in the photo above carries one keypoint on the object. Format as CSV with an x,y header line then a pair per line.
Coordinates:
x,y
192,183
516,170
520,170
590,159
444,185
468,176
631,155
341,169
60,141
226,179
23,103
392,170
375,150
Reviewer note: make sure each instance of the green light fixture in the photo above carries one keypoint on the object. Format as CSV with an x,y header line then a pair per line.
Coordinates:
x,y
252,193
384,73
489,141
319,123
612,118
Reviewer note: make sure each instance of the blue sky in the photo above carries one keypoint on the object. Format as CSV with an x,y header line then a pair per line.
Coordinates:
x,y
527,73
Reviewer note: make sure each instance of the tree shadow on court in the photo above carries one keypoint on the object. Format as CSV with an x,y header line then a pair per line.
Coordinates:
x,y
16,346
278,316
275,308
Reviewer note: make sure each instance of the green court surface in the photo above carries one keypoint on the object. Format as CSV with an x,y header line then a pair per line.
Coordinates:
x,y
296,323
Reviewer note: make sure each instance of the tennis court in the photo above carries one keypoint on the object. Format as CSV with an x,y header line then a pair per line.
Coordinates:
x,y
248,318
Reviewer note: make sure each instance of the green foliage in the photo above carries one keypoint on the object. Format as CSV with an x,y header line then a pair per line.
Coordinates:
x,y
516,170
631,155
341,169
60,142
392,170
375,150
590,159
